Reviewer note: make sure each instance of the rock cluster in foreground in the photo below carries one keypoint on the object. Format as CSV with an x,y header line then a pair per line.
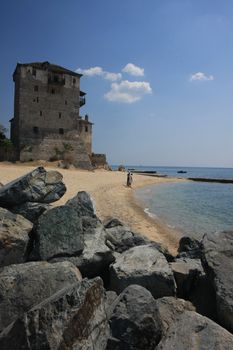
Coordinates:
x,y
69,281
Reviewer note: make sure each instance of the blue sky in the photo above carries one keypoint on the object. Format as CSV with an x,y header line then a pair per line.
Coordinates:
x,y
170,99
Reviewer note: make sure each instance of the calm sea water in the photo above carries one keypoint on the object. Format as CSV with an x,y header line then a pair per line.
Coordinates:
x,y
192,208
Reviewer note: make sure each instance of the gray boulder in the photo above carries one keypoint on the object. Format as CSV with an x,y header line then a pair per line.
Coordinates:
x,y
24,285
83,204
133,322
189,248
73,318
120,238
96,257
31,211
146,266
186,272
182,328
218,263
14,231
58,233
37,186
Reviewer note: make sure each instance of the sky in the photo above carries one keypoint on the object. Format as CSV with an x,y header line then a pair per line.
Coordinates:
x,y
158,73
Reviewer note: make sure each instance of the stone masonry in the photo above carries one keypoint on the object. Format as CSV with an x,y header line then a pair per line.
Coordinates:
x,y
47,123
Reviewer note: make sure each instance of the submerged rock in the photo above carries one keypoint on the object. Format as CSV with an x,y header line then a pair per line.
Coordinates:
x,y
23,286
182,328
14,231
218,264
133,321
146,266
37,186
72,318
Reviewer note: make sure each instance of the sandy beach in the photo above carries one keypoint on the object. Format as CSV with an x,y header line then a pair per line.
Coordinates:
x,y
111,196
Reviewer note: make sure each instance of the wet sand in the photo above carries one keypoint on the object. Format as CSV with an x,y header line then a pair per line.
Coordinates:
x,y
111,196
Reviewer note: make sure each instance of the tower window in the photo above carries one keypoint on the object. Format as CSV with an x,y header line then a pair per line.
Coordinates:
x,y
59,115
86,128
34,72
61,131
37,99
53,91
40,113
65,102
36,88
35,129
74,80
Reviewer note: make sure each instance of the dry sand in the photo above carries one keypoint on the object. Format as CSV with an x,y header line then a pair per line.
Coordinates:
x,y
111,196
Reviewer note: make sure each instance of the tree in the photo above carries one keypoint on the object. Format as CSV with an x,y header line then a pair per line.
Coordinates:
x,y
3,131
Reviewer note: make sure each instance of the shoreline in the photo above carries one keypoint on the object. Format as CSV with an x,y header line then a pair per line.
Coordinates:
x,y
111,196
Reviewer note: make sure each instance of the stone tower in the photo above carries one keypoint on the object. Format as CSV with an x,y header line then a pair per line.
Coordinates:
x,y
46,114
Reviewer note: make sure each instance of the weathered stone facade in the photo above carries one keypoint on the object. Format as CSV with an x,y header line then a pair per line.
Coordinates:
x,y
46,120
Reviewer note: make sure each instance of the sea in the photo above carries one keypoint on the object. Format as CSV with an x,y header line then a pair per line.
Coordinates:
x,y
190,208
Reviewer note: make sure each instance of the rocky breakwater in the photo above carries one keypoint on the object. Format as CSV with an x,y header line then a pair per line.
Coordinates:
x,y
70,281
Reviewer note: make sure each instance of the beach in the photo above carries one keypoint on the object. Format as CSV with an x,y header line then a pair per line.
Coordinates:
x,y
111,196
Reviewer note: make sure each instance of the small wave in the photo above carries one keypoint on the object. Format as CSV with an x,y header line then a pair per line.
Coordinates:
x,y
151,215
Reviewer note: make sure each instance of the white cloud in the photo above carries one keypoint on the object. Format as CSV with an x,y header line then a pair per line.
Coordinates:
x,y
128,91
134,70
199,76
98,71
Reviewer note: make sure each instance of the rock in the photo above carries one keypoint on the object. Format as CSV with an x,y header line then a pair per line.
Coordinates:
x,y
189,248
59,233
83,204
218,263
133,322
37,186
182,328
73,318
186,272
120,238
23,286
31,211
14,231
121,168
146,266
96,257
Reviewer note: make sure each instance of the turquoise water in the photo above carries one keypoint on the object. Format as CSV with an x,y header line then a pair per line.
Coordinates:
x,y
192,208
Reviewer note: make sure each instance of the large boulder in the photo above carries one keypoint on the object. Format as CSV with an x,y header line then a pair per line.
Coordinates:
x,y
58,233
186,272
218,264
14,237
37,186
23,286
73,318
31,211
182,328
83,204
120,238
96,257
189,248
133,321
146,266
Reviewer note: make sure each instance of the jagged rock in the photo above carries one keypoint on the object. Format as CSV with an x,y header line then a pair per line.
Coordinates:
x,y
59,233
96,257
186,272
14,231
120,238
218,263
183,328
83,204
73,318
133,322
31,211
189,248
37,186
146,266
23,286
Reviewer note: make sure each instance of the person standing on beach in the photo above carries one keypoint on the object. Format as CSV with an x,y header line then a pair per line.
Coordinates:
x,y
129,179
